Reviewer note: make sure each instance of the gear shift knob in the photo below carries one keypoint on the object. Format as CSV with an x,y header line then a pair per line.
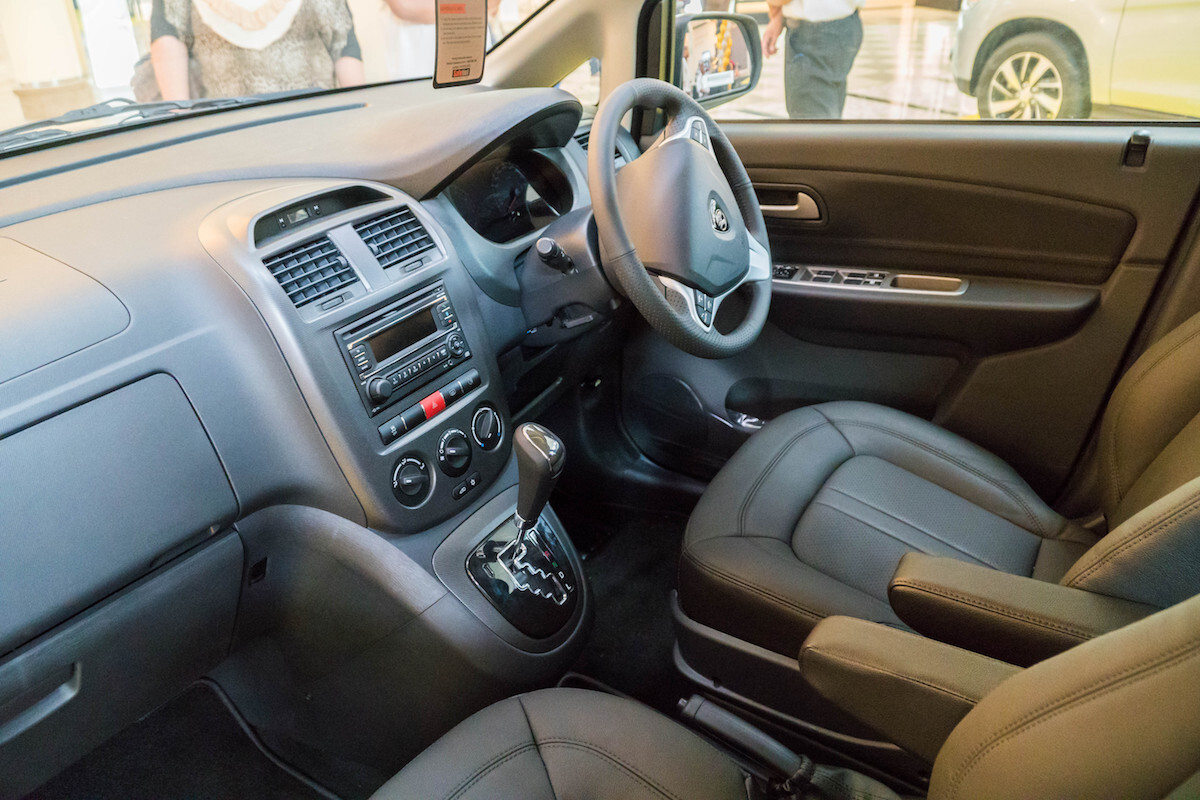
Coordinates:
x,y
540,457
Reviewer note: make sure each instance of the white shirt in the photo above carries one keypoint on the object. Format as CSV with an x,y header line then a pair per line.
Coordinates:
x,y
821,10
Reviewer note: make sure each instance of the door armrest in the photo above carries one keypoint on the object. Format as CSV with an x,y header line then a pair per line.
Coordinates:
x,y
1010,617
910,689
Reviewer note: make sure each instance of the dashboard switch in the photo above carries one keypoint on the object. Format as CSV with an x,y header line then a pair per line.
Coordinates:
x,y
433,405
412,417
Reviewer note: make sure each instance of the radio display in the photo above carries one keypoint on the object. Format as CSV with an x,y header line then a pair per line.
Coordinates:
x,y
403,335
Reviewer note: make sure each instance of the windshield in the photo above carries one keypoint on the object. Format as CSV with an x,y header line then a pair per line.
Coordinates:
x,y
83,65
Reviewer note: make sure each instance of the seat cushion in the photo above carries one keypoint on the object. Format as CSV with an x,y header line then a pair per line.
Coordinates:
x,y
568,743
572,744
812,515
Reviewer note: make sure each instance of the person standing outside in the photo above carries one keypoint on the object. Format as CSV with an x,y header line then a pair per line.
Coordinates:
x,y
247,47
823,38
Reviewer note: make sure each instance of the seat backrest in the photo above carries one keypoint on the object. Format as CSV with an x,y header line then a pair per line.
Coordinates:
x,y
1149,453
1150,435
1116,717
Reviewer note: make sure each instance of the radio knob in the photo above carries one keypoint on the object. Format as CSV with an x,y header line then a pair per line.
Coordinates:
x,y
410,480
458,345
486,428
379,390
454,452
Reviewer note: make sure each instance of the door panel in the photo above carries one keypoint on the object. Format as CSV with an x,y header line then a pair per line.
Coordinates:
x,y
937,225
1051,246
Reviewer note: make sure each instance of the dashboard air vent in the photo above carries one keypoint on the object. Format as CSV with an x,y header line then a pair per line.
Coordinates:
x,y
582,135
311,271
395,237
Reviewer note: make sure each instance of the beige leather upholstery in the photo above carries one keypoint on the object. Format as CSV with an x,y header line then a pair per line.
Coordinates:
x,y
910,689
1116,717
1017,619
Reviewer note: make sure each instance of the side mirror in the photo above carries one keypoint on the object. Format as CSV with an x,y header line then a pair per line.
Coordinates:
x,y
718,57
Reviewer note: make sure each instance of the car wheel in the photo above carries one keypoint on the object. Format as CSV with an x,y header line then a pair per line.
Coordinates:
x,y
1033,76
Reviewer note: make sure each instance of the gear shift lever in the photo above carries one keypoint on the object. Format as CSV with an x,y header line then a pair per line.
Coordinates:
x,y
540,457
523,569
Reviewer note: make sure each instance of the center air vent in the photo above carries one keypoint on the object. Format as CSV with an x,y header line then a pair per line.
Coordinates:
x,y
396,237
311,271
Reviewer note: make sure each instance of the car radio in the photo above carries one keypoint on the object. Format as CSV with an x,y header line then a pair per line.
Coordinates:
x,y
403,346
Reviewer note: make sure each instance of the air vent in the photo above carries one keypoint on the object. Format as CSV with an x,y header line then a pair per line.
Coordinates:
x,y
311,271
395,237
582,136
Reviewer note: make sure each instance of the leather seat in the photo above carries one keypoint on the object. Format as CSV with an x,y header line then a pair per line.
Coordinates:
x,y
812,515
1114,717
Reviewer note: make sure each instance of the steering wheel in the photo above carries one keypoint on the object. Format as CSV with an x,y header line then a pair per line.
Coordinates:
x,y
680,228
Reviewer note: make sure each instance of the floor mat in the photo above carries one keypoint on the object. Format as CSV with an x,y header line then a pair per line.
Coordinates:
x,y
631,573
190,749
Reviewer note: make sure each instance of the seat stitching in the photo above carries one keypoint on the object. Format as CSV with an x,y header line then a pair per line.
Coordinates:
x,y
849,444
766,472
1004,611
729,578
1003,487
900,675
1123,403
1164,522
579,744
495,762
1094,690
533,736
930,534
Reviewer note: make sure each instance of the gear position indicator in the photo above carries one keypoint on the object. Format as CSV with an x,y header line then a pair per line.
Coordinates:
x,y
527,578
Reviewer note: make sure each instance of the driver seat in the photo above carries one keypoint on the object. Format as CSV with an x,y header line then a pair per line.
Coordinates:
x,y
811,517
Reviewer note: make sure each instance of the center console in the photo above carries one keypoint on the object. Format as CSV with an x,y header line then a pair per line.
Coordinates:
x,y
381,324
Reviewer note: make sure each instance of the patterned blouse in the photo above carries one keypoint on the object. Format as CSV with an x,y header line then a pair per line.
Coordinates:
x,y
270,55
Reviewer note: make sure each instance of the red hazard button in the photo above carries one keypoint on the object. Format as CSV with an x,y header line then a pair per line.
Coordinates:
x,y
433,405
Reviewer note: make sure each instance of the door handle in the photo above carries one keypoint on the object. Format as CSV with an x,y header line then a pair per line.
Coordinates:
x,y
803,208
36,702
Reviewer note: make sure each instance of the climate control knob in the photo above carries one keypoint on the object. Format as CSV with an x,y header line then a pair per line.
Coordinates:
x,y
379,390
487,428
454,452
411,480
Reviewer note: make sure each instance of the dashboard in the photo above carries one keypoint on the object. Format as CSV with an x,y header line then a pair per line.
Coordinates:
x,y
315,318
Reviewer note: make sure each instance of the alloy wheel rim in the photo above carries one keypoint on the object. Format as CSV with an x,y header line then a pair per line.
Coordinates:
x,y
1026,86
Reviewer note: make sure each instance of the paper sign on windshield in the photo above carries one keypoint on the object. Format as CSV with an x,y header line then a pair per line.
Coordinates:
x,y
461,42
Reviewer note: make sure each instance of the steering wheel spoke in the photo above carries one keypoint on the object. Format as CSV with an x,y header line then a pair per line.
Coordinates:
x,y
760,262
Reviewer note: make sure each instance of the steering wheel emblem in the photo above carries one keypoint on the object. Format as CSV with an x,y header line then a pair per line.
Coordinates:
x,y
720,221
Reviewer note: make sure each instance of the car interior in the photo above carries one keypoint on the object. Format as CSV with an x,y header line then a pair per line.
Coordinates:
x,y
470,442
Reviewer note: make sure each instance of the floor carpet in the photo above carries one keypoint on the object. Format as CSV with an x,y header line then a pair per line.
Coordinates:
x,y
631,571
190,749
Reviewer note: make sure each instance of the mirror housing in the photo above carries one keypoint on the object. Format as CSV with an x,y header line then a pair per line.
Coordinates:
x,y
718,57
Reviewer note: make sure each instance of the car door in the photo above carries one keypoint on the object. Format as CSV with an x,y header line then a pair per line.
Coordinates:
x,y
1156,63
987,276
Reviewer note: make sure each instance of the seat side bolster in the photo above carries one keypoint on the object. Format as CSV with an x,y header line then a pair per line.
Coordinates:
x,y
1153,557
881,675
1116,717
1013,618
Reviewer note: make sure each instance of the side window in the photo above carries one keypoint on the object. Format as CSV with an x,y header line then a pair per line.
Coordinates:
x,y
1003,59
584,82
